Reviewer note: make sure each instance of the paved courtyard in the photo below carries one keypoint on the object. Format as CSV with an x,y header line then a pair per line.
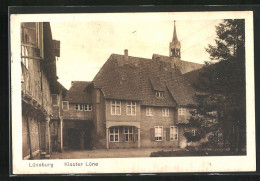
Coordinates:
x,y
104,153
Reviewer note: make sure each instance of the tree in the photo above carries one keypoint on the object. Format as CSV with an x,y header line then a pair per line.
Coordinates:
x,y
223,79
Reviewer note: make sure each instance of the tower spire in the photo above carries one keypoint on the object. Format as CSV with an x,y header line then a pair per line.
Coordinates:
x,y
175,38
175,45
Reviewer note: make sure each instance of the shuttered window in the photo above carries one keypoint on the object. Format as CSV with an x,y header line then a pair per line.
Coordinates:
x,y
173,133
158,133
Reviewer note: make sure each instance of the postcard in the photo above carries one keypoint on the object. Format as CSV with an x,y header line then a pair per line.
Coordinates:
x,y
158,92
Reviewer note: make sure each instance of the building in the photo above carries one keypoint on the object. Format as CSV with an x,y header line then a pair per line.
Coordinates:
x,y
78,116
132,102
39,84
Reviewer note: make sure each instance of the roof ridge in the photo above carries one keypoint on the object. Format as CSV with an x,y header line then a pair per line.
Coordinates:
x,y
180,60
131,56
81,81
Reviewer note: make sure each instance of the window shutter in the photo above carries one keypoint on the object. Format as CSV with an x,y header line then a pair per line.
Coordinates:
x,y
167,134
152,134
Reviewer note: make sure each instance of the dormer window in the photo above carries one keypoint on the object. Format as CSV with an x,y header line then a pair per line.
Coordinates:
x,y
159,94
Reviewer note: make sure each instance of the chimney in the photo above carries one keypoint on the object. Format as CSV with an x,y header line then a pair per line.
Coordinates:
x,y
126,54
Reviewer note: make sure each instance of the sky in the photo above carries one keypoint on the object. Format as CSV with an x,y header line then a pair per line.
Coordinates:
x,y
86,45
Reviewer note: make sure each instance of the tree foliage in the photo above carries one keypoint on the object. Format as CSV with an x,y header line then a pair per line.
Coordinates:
x,y
230,41
223,81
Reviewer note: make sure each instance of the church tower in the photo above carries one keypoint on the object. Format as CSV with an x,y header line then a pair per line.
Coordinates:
x,y
175,46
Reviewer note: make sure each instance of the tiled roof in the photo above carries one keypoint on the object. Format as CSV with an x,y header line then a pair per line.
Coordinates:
x,y
137,78
184,66
77,93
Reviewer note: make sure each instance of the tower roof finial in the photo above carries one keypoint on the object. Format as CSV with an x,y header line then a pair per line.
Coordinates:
x,y
174,38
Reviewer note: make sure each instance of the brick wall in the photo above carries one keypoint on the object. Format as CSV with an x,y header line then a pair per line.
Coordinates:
x,y
148,122
123,116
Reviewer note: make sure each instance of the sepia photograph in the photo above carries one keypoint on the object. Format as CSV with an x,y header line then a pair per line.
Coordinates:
x,y
133,89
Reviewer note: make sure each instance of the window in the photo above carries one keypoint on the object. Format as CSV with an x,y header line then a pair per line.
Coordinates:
x,y
165,112
129,134
65,105
87,107
194,132
32,40
158,133
149,111
79,107
114,134
131,108
54,98
159,94
173,133
24,56
116,107
181,111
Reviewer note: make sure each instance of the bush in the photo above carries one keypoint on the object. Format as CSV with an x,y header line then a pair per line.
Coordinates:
x,y
191,138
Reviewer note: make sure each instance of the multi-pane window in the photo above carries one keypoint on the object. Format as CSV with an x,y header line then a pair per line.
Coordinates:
x,y
165,112
24,55
158,133
65,105
194,132
159,94
85,107
149,111
129,134
88,107
173,133
114,134
54,98
115,107
79,107
131,108
181,111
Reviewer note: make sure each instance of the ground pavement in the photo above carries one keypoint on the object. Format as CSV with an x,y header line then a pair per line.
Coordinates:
x,y
104,153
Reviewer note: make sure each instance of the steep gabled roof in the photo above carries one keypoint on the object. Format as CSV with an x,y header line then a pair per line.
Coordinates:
x,y
77,93
184,66
79,85
137,78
